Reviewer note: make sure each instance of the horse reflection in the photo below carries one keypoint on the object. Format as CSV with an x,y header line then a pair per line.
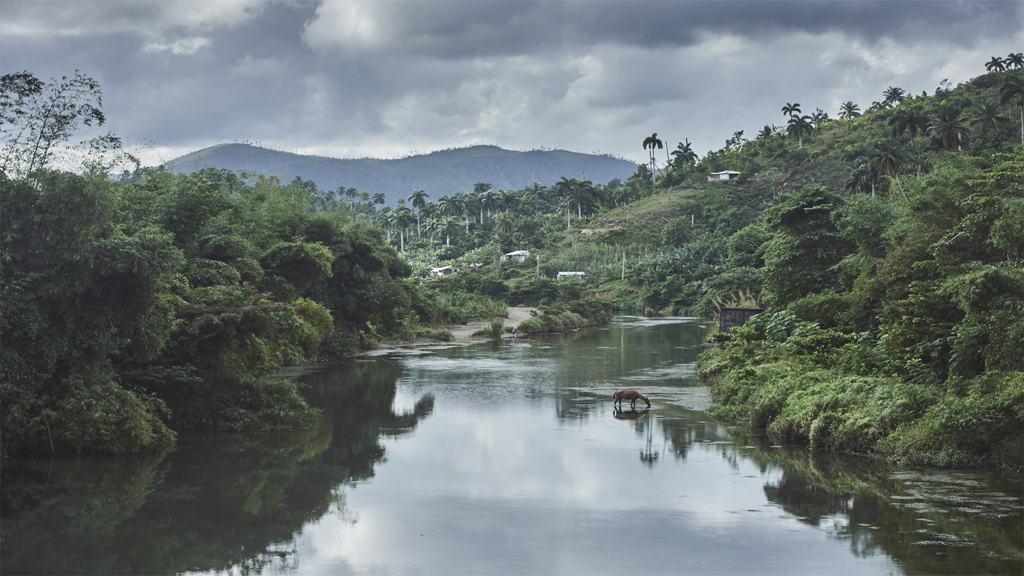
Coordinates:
x,y
631,415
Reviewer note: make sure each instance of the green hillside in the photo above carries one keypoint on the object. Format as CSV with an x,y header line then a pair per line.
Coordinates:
x,y
887,246
442,172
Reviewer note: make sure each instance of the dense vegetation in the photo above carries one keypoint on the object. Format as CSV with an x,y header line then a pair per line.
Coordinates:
x,y
888,247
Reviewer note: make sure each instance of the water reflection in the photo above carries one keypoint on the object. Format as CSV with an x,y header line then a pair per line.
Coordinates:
x,y
217,501
507,457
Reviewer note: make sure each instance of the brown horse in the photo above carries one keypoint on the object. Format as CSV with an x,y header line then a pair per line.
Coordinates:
x,y
632,395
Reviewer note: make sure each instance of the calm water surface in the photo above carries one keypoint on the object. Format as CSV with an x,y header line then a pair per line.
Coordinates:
x,y
507,458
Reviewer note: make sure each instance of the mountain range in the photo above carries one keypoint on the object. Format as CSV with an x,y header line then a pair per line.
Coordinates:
x,y
438,173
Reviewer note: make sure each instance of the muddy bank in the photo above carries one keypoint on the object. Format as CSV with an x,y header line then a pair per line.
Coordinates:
x,y
515,316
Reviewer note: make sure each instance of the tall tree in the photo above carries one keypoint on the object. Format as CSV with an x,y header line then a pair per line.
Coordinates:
x,y
419,202
378,198
885,157
1015,59
908,120
1013,89
988,116
996,64
947,126
863,177
684,153
791,109
652,142
849,110
36,118
798,126
893,96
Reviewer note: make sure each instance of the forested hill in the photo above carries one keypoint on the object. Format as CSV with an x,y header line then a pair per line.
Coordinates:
x,y
439,173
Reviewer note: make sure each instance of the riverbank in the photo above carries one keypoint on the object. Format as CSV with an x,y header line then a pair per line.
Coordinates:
x,y
516,314
841,393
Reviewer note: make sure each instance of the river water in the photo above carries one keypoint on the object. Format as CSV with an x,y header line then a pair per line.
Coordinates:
x,y
507,458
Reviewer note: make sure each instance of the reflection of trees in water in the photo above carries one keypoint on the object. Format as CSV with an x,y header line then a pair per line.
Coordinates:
x,y
217,501
857,500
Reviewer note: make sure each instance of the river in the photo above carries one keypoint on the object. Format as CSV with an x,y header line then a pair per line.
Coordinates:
x,y
507,458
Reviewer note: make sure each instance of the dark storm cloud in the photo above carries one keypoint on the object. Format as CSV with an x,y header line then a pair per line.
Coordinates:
x,y
376,78
474,29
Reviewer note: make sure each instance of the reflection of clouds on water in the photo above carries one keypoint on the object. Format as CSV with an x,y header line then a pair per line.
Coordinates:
x,y
673,372
644,322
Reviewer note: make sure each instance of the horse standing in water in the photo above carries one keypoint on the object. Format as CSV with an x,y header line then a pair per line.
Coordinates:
x,y
632,395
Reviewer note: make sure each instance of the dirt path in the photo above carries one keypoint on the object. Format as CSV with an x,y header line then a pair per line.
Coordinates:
x,y
515,316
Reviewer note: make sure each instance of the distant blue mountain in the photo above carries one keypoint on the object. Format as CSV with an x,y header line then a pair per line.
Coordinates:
x,y
439,173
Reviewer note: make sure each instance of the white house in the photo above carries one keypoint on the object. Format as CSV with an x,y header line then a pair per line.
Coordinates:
x,y
518,256
443,271
724,175
577,275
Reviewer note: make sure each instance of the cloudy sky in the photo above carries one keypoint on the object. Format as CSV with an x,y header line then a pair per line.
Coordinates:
x,y
383,79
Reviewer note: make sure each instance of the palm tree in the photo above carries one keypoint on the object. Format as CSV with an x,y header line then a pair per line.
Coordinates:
x,y
562,189
877,106
863,177
418,198
581,193
798,126
1015,59
916,157
653,142
536,191
489,200
909,120
449,226
790,109
996,63
988,117
403,220
684,153
469,204
378,198
947,127
894,95
851,154
505,224
507,200
849,110
1013,89
885,156
388,218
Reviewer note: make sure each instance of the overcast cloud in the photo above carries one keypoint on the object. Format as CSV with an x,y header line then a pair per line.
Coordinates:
x,y
385,79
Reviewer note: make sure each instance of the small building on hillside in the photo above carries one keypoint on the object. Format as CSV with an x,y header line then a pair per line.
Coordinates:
x,y
518,256
443,271
578,276
724,175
